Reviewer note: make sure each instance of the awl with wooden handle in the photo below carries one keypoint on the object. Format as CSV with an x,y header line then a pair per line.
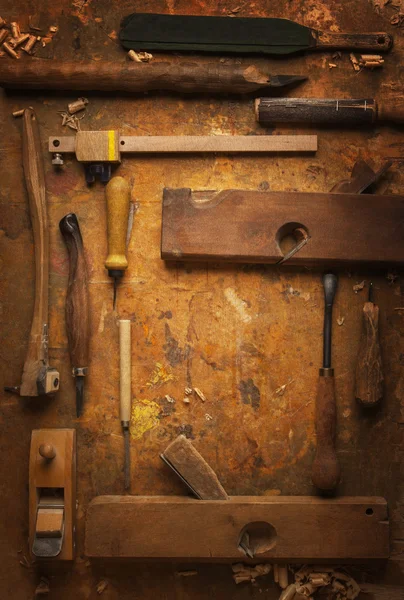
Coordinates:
x,y
125,390
77,305
329,111
117,194
326,469
369,372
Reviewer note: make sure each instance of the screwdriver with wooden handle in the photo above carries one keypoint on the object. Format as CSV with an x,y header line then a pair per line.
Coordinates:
x,y
326,470
77,305
369,372
125,390
118,201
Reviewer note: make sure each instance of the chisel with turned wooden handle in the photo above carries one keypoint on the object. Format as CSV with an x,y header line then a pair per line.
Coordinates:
x,y
125,390
326,470
369,372
329,111
117,195
77,305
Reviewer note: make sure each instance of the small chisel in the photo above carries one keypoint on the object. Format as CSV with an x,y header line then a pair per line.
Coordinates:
x,y
118,200
77,305
125,390
369,372
326,469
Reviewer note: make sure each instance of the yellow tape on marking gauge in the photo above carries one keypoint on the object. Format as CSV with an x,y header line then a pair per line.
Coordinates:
x,y
111,145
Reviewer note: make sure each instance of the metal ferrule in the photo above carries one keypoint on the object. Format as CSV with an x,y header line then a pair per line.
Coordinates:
x,y
79,371
326,372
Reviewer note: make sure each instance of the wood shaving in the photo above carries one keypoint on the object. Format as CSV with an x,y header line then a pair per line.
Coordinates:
x,y
359,286
200,394
169,398
102,586
140,57
340,321
398,19
188,391
208,417
354,61
332,65
186,400
18,113
42,589
243,572
54,29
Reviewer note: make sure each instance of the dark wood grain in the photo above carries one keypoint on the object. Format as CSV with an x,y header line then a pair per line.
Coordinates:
x,y
245,226
369,373
325,470
343,111
187,76
77,304
175,527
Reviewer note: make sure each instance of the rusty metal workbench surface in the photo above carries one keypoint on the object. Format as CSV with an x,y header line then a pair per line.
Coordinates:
x,y
239,333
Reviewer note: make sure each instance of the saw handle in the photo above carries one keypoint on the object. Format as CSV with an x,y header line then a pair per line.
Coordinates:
x,y
125,370
379,42
77,301
118,200
326,469
369,372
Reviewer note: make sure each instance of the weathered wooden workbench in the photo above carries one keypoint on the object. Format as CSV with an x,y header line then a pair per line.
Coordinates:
x,y
238,333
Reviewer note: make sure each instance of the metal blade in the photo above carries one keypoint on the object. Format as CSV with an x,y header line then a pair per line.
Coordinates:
x,y
79,396
282,80
127,457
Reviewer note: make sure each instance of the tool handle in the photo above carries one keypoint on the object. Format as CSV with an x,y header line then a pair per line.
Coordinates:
x,y
118,200
369,371
125,357
185,76
316,110
326,470
77,300
35,183
380,42
391,110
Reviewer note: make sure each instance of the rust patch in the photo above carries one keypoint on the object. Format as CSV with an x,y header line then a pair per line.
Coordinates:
x,y
250,394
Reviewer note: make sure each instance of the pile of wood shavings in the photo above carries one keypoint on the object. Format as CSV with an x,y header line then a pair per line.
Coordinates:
x,y
12,39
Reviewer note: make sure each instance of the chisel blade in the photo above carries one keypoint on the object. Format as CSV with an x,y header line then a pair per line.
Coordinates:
x,y
282,80
79,396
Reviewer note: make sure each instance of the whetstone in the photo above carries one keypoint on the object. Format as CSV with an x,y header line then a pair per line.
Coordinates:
x,y
193,469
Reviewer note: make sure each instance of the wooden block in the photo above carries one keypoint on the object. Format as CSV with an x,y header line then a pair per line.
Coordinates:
x,y
293,528
49,522
249,226
193,468
97,146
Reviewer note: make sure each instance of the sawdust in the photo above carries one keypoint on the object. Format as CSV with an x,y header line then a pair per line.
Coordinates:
x,y
159,376
237,303
143,418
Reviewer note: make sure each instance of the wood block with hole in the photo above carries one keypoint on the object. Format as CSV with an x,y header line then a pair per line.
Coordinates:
x,y
292,528
255,227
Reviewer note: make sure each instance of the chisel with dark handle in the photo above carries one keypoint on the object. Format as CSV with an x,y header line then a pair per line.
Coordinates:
x,y
329,111
77,305
326,470
148,31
